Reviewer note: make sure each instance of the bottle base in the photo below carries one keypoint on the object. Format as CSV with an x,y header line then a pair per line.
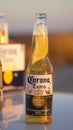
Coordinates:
x,y
38,119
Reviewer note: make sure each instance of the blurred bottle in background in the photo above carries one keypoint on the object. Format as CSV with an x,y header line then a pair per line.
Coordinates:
x,y
12,58
3,29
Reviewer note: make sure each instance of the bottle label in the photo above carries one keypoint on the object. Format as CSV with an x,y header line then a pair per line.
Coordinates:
x,y
39,85
12,56
39,91
13,65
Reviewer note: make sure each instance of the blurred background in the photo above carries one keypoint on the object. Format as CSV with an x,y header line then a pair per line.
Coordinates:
x,y
20,14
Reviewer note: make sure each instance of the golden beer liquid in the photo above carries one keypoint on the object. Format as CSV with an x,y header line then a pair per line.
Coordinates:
x,y
2,38
39,65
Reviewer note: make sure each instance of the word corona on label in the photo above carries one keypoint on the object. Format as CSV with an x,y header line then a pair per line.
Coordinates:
x,y
33,80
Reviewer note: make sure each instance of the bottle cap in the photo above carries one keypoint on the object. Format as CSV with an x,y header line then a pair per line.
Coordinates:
x,y
41,15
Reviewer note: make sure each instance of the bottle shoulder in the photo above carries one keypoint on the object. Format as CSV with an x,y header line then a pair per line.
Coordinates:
x,y
42,66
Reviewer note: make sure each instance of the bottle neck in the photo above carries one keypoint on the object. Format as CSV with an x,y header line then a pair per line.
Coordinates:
x,y
3,30
2,18
40,26
40,39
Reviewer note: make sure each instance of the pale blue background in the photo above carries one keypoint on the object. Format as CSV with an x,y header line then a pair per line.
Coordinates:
x,y
20,14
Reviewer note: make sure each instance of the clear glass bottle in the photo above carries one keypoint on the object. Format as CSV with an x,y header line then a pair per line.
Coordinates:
x,y
39,76
3,29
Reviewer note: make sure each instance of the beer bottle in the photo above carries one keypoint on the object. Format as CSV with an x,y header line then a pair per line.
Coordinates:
x,y
39,76
3,29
